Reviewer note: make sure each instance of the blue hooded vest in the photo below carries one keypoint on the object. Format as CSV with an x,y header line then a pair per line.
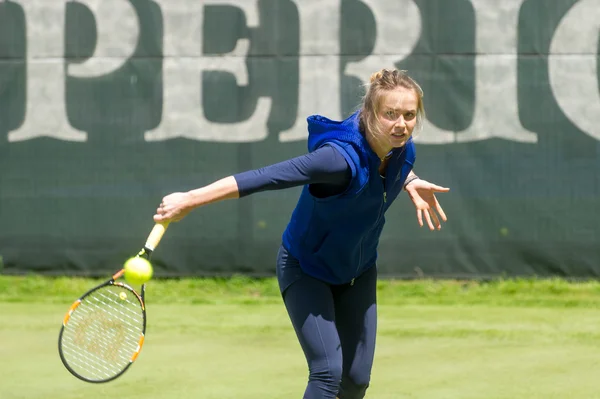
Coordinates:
x,y
335,238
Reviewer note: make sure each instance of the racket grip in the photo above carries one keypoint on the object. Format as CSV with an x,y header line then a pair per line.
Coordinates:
x,y
156,235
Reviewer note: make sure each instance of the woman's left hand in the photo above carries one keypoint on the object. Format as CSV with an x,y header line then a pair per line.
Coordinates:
x,y
422,194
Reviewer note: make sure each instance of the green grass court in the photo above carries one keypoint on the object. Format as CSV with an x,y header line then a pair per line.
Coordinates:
x,y
231,338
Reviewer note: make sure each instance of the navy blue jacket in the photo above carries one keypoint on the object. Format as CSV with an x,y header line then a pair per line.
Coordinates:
x,y
335,238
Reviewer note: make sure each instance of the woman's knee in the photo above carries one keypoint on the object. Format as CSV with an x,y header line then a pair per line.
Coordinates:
x,y
328,377
353,388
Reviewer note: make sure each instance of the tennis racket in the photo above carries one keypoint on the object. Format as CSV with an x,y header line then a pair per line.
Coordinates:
x,y
103,332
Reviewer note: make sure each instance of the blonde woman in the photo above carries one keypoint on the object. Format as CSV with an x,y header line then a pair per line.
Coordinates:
x,y
326,265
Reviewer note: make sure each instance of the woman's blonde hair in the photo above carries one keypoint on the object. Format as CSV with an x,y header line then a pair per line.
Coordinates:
x,y
382,82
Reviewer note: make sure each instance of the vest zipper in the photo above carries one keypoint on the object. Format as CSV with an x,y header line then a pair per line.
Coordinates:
x,y
361,241
359,262
384,193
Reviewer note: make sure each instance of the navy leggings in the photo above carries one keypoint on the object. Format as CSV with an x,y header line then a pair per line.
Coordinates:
x,y
336,326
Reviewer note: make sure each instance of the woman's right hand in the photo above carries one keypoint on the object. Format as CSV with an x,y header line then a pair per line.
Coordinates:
x,y
174,207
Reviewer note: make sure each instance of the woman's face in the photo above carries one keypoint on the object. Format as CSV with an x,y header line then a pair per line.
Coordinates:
x,y
398,115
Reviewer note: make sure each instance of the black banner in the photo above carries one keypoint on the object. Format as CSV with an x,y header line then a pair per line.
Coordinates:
x,y
121,102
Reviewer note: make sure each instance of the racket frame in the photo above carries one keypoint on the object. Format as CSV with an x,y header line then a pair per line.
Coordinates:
x,y
112,281
151,243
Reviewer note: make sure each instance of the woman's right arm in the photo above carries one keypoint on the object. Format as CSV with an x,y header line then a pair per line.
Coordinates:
x,y
176,206
325,167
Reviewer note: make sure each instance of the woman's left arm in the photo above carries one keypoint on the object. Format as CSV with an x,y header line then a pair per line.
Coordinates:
x,y
422,194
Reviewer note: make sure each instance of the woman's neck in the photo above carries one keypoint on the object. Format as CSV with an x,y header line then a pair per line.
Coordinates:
x,y
381,150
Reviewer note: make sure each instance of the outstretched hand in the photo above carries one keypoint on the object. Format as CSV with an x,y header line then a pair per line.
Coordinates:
x,y
422,194
173,208
176,206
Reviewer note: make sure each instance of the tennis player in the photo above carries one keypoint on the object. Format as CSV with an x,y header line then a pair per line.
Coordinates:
x,y
326,265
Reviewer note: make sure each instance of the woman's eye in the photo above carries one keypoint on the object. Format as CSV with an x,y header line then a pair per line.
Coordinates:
x,y
409,116
391,114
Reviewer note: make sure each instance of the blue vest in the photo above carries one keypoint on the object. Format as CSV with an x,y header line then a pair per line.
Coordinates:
x,y
335,238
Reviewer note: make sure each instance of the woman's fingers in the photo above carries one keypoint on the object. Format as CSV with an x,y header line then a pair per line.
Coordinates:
x,y
439,189
431,217
428,218
439,210
163,212
435,219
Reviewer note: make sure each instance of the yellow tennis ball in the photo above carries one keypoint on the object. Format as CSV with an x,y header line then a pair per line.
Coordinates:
x,y
137,270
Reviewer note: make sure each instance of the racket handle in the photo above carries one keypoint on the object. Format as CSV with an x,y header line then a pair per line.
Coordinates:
x,y
156,235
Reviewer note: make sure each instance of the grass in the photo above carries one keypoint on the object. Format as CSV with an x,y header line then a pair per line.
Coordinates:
x,y
231,338
502,292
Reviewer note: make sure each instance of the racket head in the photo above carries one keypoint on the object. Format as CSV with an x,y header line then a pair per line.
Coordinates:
x,y
103,332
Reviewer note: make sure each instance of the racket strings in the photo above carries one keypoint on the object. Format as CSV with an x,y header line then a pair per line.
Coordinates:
x,y
103,333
